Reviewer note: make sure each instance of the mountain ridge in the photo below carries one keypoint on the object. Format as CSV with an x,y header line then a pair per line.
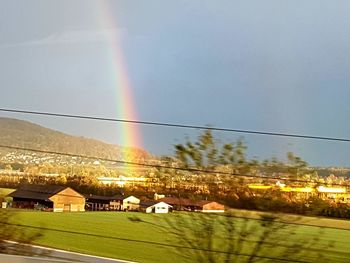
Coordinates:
x,y
25,134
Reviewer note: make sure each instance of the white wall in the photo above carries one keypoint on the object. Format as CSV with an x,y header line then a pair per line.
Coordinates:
x,y
131,203
159,208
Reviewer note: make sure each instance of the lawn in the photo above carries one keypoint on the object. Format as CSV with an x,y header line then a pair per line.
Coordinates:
x,y
147,237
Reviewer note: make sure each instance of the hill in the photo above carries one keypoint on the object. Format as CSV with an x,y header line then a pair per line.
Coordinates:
x,y
19,133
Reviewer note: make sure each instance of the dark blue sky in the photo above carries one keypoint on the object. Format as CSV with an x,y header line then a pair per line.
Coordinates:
x,y
278,66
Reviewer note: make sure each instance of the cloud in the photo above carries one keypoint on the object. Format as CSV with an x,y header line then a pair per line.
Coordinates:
x,y
73,37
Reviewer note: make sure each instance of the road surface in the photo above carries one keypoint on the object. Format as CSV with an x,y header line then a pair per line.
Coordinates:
x,y
53,256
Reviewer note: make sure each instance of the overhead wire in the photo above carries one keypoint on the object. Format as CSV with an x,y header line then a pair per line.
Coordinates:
x,y
177,125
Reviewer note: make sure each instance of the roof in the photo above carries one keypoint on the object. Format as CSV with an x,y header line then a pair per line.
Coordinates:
x,y
178,201
151,203
103,198
37,192
217,205
108,198
148,203
185,202
203,202
130,196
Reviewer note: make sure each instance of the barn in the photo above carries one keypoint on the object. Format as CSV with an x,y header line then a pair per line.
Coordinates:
x,y
54,198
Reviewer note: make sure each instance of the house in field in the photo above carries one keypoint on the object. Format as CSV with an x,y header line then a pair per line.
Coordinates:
x,y
184,204
180,204
209,207
155,207
49,198
103,203
112,203
130,203
333,194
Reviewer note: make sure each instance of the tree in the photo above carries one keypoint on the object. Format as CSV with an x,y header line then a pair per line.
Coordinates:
x,y
221,166
207,153
229,238
239,240
297,166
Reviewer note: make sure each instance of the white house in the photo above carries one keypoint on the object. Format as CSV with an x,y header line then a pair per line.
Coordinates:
x,y
155,207
131,203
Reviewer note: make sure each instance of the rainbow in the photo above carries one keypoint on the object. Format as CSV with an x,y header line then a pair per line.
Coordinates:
x,y
129,134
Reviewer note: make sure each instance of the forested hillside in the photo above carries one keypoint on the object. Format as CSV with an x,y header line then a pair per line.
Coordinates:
x,y
14,132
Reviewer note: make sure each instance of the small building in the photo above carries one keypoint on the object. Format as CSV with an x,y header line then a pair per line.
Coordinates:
x,y
130,203
155,207
54,198
184,204
180,204
333,194
210,207
103,203
112,203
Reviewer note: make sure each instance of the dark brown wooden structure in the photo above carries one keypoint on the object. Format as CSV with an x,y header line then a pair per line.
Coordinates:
x,y
103,203
54,198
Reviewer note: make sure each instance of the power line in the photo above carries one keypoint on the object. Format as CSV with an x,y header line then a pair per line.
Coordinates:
x,y
188,169
178,125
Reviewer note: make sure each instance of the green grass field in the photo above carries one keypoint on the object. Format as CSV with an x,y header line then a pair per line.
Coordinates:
x,y
147,237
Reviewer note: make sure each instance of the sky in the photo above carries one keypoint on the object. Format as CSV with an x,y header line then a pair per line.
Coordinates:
x,y
275,66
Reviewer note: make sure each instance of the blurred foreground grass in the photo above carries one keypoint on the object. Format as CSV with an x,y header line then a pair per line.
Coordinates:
x,y
162,238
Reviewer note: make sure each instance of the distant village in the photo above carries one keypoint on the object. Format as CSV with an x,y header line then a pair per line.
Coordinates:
x,y
38,158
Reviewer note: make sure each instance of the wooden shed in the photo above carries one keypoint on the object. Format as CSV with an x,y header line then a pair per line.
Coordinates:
x,y
49,198
103,203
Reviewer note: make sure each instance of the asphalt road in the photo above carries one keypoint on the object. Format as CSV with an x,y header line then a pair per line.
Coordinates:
x,y
49,255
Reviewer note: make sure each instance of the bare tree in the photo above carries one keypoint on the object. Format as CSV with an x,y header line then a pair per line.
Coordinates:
x,y
226,238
